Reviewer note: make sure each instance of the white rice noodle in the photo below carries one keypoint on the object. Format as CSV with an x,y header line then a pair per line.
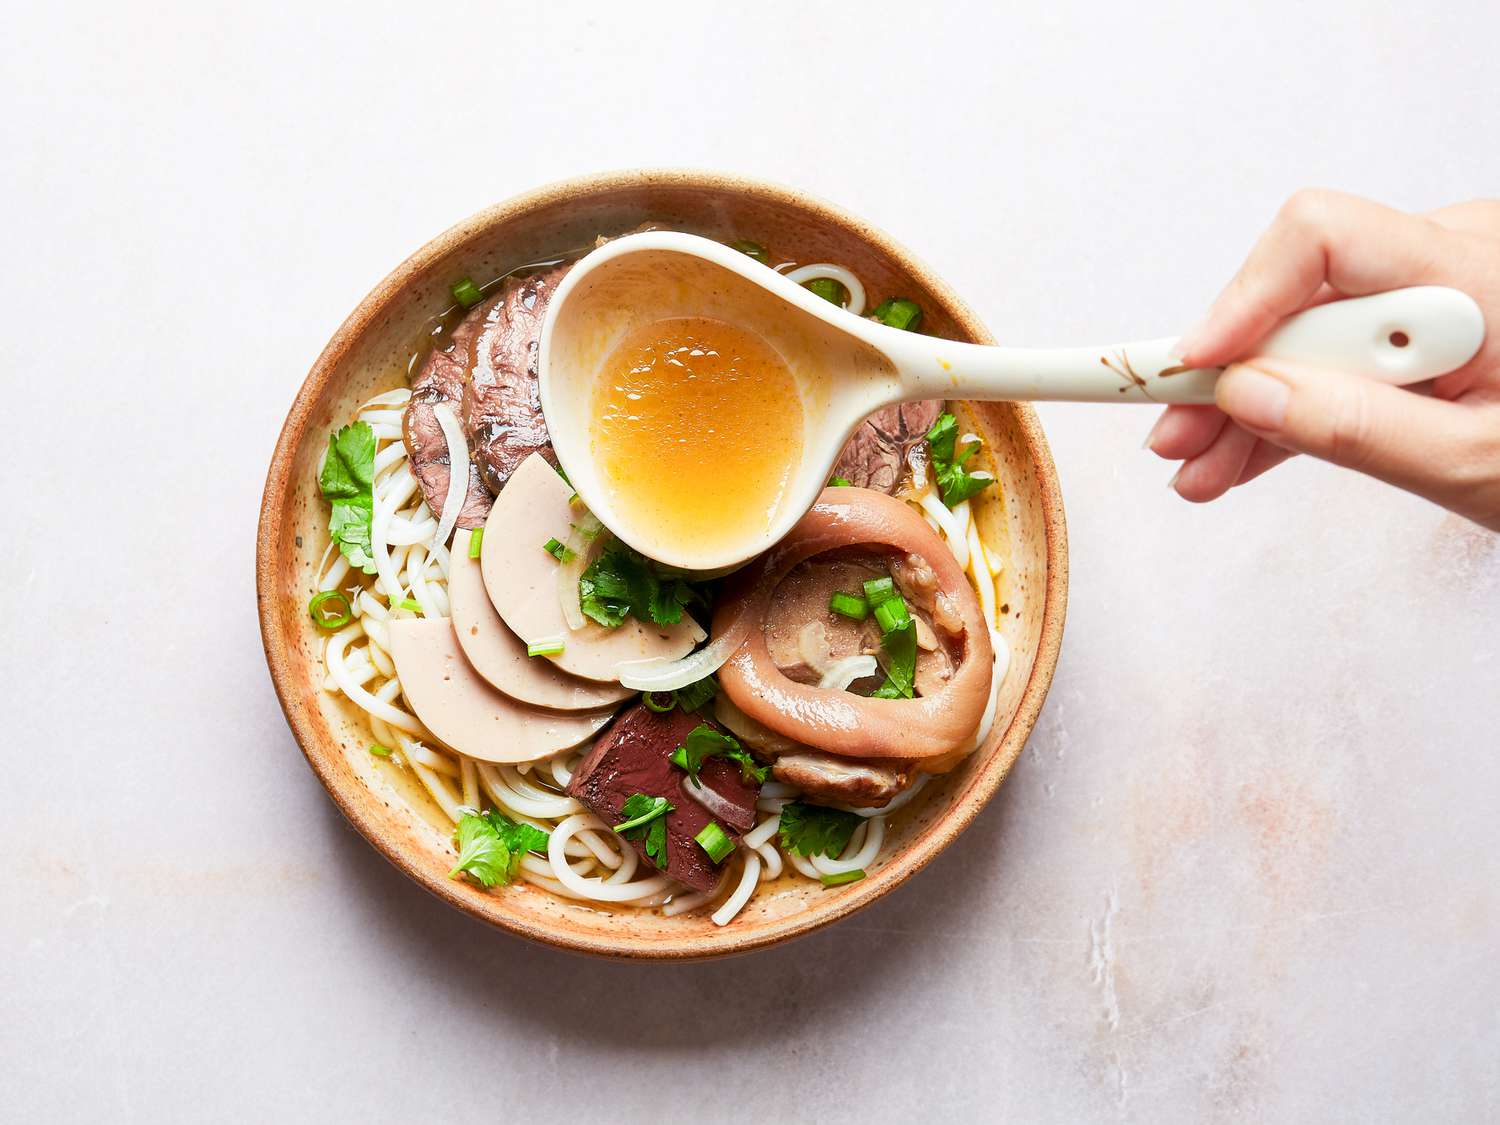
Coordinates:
x,y
335,573
954,530
681,903
469,782
842,673
863,847
984,582
762,832
770,859
749,879
1002,665
803,274
801,865
431,781
506,789
429,758
358,695
594,888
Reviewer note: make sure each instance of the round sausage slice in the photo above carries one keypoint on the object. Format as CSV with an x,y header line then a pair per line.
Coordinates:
x,y
521,579
498,655
465,712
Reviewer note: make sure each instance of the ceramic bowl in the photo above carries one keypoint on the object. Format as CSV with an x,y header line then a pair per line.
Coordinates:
x,y
1023,519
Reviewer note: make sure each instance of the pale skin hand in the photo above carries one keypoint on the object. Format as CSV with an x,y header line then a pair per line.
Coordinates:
x,y
1439,440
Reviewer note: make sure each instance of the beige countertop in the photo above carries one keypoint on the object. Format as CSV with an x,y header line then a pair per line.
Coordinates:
x,y
1245,870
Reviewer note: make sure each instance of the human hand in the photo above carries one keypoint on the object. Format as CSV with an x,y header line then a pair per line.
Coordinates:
x,y
1324,245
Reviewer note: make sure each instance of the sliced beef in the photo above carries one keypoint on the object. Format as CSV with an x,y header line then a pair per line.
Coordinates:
x,y
502,406
886,444
441,380
634,756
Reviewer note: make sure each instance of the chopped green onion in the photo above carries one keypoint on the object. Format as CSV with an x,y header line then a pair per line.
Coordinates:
x,y
838,482
842,877
659,701
408,603
892,614
751,250
340,615
697,693
380,751
714,841
849,605
466,293
558,551
898,312
476,537
829,290
545,648
878,590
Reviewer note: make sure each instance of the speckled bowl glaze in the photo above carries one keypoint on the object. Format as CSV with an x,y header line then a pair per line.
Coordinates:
x,y
369,353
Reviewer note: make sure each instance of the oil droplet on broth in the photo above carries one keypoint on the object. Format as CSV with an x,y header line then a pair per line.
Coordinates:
x,y
697,425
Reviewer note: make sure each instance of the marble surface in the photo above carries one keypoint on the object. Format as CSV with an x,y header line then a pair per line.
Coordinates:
x,y
1246,869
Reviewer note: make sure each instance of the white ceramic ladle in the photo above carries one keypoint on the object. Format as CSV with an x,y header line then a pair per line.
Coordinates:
x,y
847,367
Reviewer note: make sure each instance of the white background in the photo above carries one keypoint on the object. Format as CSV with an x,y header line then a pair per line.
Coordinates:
x,y
1246,869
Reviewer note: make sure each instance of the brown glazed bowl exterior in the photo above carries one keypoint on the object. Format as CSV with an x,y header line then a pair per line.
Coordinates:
x,y
369,353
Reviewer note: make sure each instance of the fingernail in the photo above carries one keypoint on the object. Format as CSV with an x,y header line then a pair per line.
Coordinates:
x,y
1253,398
1189,342
1172,484
1151,433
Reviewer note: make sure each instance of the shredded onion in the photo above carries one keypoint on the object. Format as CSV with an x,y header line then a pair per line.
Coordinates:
x,y
716,803
585,542
842,673
458,472
668,675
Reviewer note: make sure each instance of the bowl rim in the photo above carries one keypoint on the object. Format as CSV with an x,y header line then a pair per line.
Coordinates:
x,y
353,797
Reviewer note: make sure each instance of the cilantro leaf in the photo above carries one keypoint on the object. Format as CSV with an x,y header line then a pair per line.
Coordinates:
x,y
704,742
955,483
646,820
816,829
345,481
482,855
490,846
519,838
623,583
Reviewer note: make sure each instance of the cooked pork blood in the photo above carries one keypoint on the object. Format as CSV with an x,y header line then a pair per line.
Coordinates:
x,y
441,380
887,444
634,755
502,407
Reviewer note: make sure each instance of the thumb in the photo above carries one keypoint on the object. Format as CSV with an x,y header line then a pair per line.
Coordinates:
x,y
1422,444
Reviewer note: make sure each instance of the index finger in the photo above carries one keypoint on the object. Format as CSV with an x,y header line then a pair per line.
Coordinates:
x,y
1353,245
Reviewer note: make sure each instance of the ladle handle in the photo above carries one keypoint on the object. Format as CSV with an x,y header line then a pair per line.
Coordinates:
x,y
1400,336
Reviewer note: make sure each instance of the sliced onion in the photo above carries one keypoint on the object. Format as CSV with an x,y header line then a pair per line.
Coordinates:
x,y
954,530
719,806
585,543
458,472
842,673
668,675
